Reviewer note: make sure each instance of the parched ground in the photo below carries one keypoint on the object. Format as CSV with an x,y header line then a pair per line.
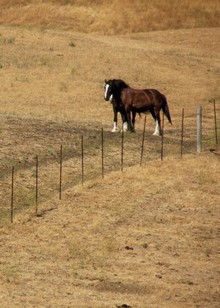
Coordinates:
x,y
144,237
147,237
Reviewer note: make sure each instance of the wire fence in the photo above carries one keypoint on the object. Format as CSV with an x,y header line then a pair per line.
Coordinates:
x,y
29,184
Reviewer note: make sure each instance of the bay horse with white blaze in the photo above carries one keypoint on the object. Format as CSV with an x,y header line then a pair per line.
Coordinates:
x,y
131,101
117,108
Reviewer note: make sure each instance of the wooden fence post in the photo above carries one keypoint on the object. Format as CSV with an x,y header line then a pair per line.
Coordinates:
x,y
12,194
143,138
182,132
102,142
162,137
82,149
199,129
216,130
61,169
36,193
122,149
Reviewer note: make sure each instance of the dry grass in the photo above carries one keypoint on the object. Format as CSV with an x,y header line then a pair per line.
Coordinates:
x,y
145,237
177,63
40,113
128,239
112,17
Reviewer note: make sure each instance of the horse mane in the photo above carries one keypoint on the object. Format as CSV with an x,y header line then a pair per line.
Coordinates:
x,y
118,86
119,83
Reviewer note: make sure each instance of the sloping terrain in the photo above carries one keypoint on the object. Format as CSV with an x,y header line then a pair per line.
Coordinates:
x,y
144,237
52,94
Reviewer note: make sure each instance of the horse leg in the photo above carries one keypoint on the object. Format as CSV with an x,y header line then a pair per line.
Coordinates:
x,y
133,119
130,126
158,130
115,121
124,122
156,116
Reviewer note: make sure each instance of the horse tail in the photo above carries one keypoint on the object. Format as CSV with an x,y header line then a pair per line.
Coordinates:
x,y
166,110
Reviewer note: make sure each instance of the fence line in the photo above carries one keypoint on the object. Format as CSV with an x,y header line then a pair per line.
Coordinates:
x,y
199,138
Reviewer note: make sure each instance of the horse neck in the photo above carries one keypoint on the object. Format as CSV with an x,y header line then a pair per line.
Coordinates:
x,y
118,93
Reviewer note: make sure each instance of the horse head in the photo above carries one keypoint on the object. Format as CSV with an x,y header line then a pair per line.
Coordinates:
x,y
113,88
108,94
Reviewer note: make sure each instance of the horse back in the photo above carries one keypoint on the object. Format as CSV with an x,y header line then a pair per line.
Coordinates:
x,y
141,100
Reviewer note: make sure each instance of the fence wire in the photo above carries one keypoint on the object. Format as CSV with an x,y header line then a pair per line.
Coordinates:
x,y
102,154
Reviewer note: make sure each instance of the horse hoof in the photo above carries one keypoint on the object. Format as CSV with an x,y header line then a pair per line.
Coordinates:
x,y
114,130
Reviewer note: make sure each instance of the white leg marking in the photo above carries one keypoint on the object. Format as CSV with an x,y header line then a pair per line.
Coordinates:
x,y
157,129
115,128
125,126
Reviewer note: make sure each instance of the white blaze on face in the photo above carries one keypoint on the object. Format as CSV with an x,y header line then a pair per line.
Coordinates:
x,y
106,90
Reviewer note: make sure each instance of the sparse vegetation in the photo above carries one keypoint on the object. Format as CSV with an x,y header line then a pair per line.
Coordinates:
x,y
9,40
145,235
72,44
9,273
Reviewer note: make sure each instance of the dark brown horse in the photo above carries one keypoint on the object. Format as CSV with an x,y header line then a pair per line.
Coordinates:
x,y
118,108
132,101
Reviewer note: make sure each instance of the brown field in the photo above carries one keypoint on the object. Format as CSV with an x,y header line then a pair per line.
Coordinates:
x,y
111,17
144,237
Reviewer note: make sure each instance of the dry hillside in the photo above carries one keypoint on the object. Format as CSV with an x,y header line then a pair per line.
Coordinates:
x,y
111,16
144,237
147,238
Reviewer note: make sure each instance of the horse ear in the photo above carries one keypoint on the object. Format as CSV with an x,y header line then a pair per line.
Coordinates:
x,y
105,81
